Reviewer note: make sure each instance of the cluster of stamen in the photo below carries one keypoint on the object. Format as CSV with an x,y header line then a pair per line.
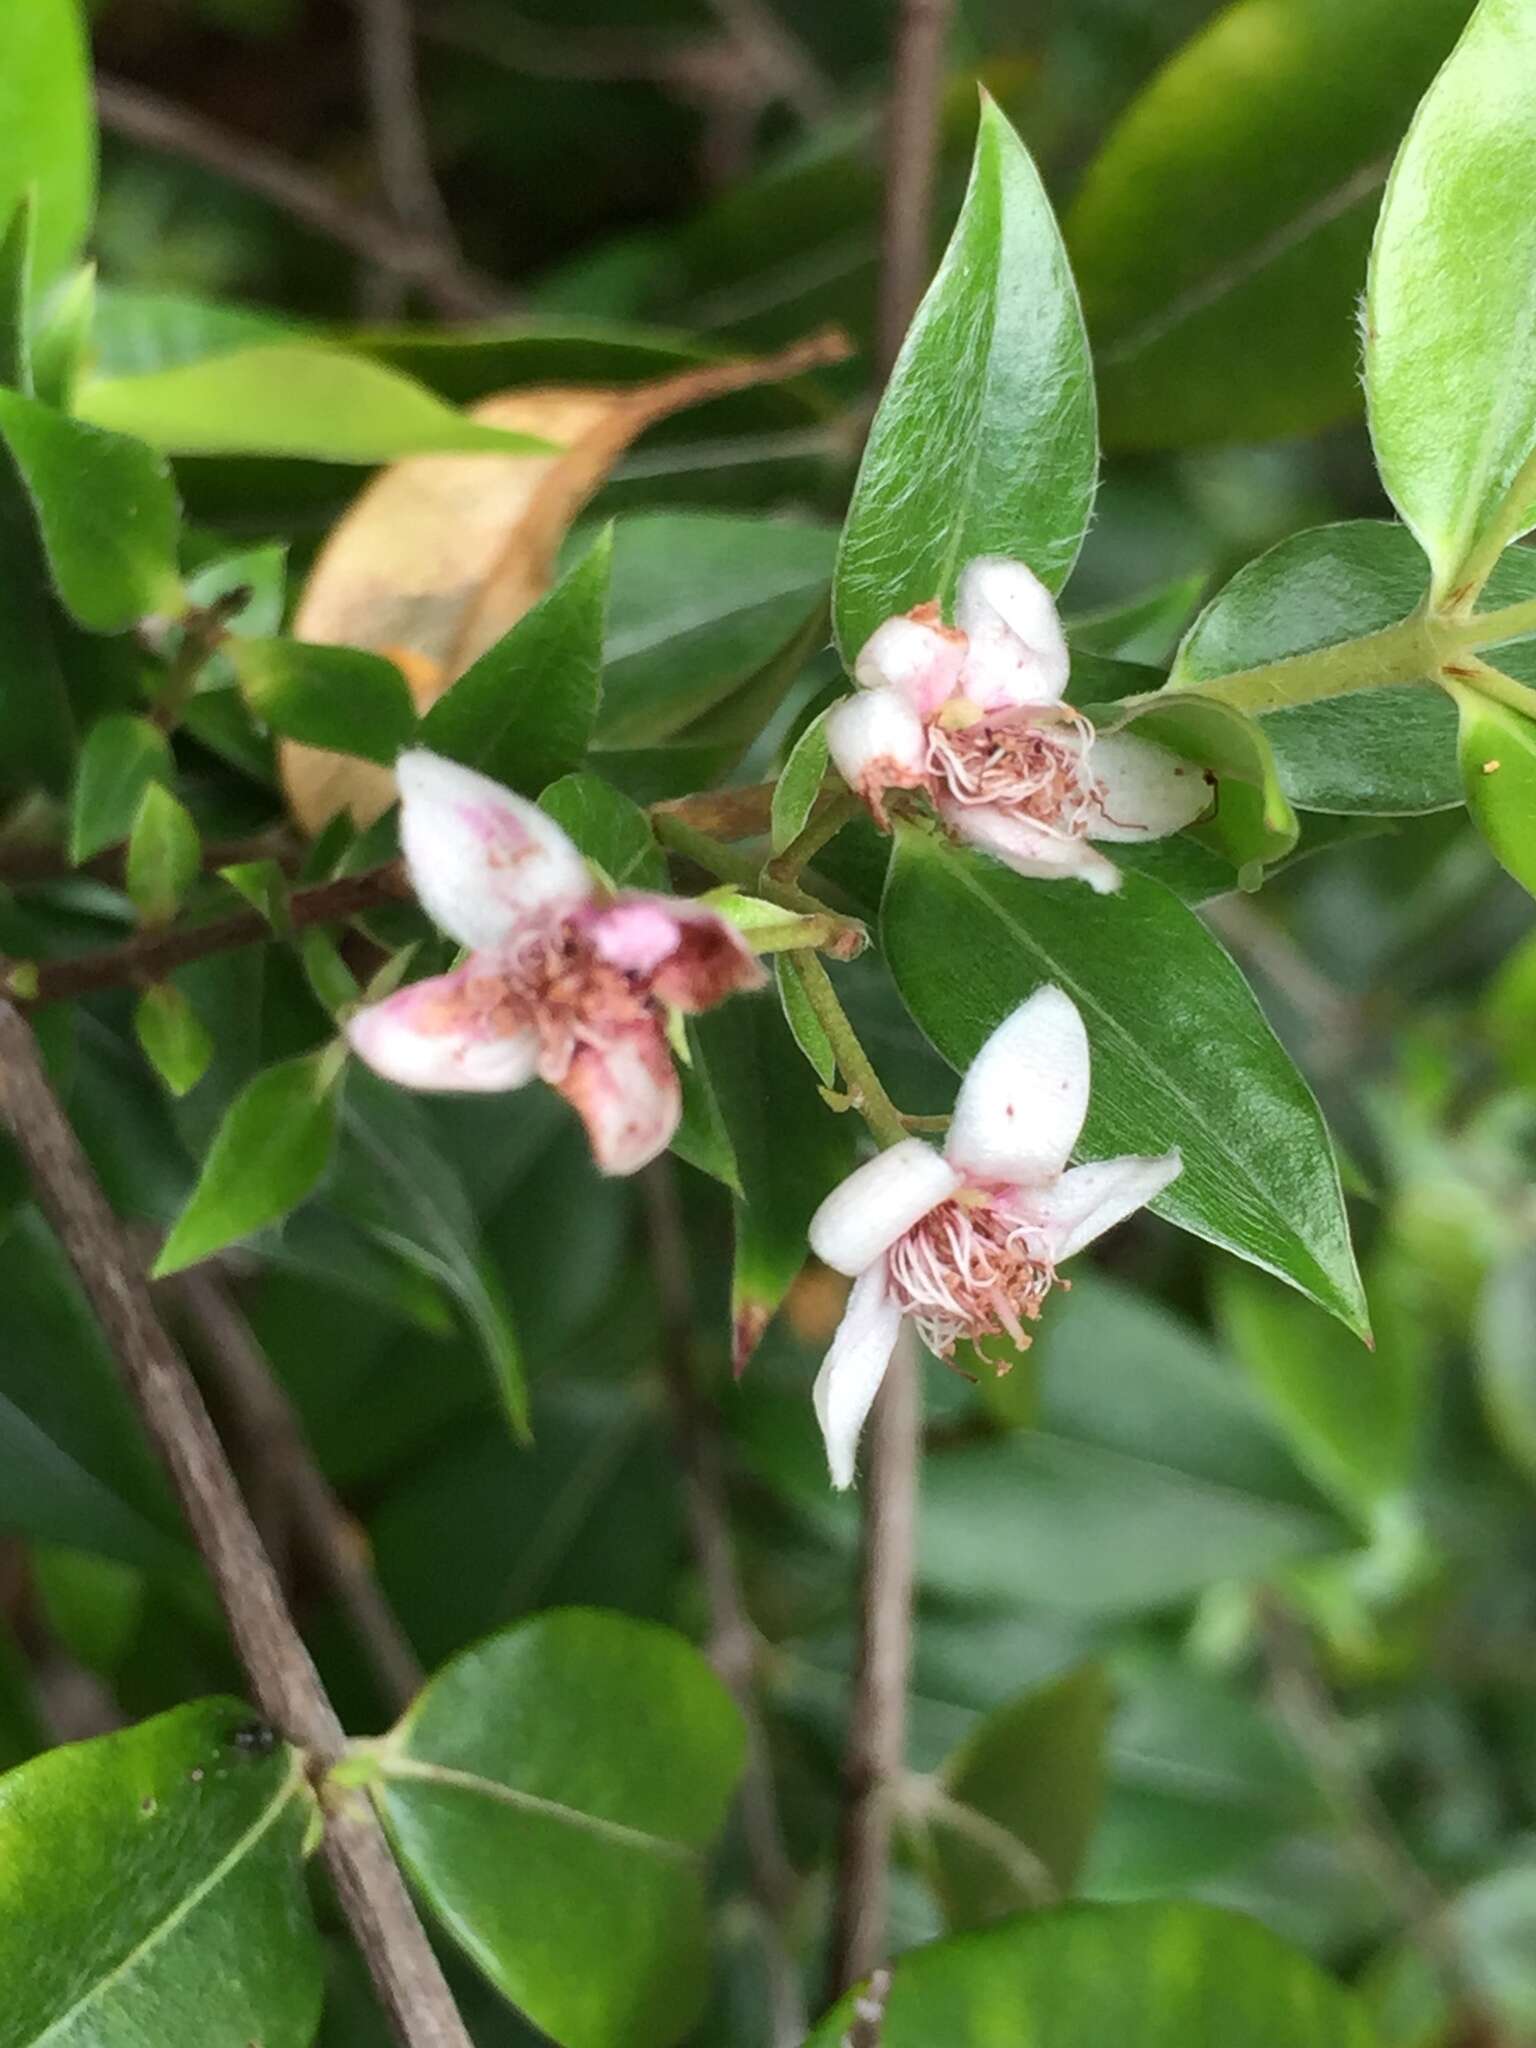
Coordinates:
x,y
969,1270
1033,764
554,982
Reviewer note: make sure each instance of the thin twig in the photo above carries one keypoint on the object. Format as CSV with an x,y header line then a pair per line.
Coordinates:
x,y
283,1679
399,128
874,1754
331,1540
786,68
733,1639
155,123
911,155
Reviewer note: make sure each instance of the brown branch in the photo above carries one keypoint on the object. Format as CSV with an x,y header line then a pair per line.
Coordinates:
x,y
267,1418
421,259
283,1679
733,1639
399,128
23,862
778,56
911,152
874,1755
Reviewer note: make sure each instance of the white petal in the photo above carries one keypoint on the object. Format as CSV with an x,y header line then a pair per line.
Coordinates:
x,y
885,1196
1019,843
483,862
877,742
430,1036
852,1370
1024,1096
625,1090
1089,1200
1018,652
1148,792
918,658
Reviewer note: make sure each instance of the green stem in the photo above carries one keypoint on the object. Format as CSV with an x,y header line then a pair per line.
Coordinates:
x,y
741,870
1482,558
834,810
885,1121
1478,678
814,931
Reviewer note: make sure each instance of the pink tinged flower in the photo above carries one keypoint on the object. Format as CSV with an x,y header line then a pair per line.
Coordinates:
x,y
563,982
966,1242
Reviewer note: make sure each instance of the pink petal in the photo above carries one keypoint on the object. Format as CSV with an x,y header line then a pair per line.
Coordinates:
x,y
686,954
851,1373
1022,1102
1091,1199
1018,652
445,1033
877,742
1029,849
1146,791
915,656
625,1091
860,1220
483,862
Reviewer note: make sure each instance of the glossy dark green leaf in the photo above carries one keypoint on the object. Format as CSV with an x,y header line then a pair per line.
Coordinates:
x,y
153,1889
340,698
106,510
175,1039
47,134
164,855
122,757
550,1792
291,398
16,297
1182,1053
1378,750
608,829
985,441
1450,373
1497,747
1220,237
524,711
1032,1775
1156,1976
272,1147
701,1137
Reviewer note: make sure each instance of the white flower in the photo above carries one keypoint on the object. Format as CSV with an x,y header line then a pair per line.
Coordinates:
x,y
973,714
966,1242
563,981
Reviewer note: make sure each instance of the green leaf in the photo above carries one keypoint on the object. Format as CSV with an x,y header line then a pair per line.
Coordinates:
x,y
1151,1976
1505,1359
701,1137
272,1147
609,829
1182,1053
1143,628
106,510
61,341
1381,750
1220,236
336,697
550,1792
176,1042
985,441
122,758
1450,371
130,1863
1032,1773
800,780
806,1027
291,399
524,711
1498,770
164,855
16,297
36,713
47,134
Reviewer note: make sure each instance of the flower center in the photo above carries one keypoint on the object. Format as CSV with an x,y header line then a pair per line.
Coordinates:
x,y
1033,765
555,983
968,1269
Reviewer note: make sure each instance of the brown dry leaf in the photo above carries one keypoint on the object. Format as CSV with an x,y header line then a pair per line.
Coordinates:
x,y
441,554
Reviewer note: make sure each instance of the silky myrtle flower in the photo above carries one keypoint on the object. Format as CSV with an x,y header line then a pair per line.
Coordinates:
x,y
564,981
966,1241
973,715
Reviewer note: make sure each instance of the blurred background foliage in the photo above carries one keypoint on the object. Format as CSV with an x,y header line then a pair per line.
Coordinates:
x,y
1292,1582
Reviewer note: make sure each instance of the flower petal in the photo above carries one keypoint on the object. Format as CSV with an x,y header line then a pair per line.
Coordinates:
x,y
445,1033
878,1201
853,1368
1024,1096
1029,849
877,742
483,862
916,656
686,954
625,1090
1088,1200
1018,652
1146,791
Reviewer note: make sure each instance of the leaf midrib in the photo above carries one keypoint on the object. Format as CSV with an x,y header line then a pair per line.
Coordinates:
x,y
399,1767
